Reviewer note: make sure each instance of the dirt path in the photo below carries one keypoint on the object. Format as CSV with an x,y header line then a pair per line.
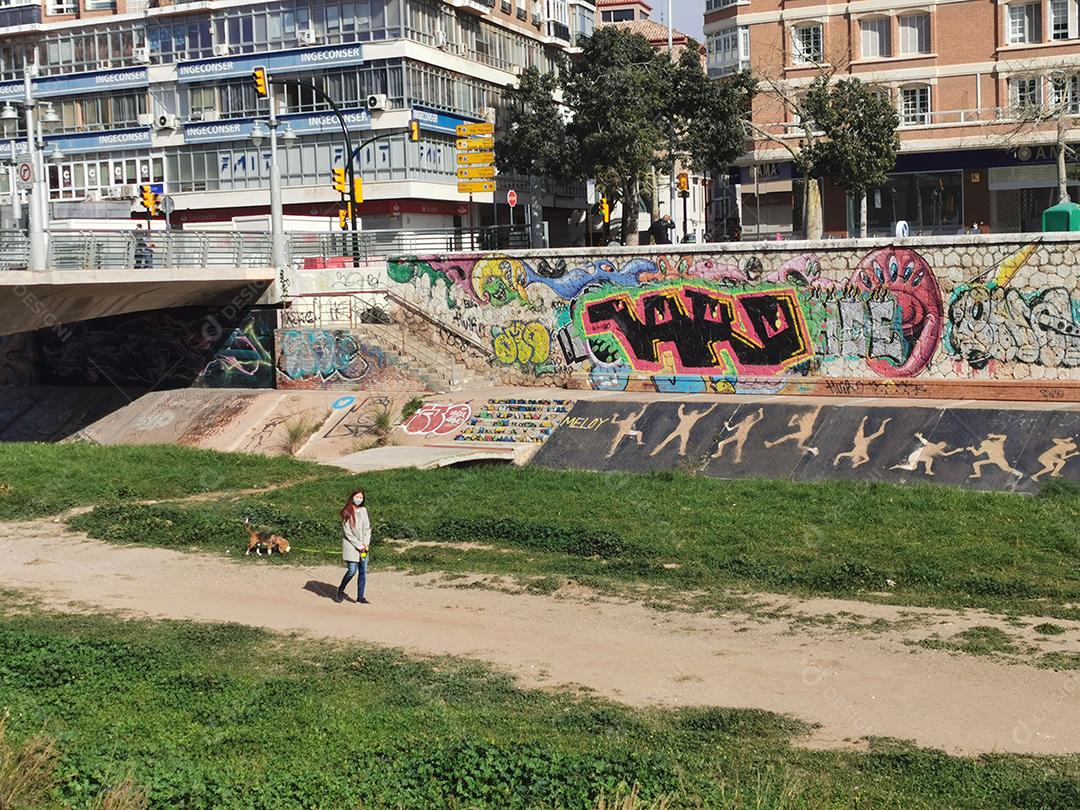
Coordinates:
x,y
851,684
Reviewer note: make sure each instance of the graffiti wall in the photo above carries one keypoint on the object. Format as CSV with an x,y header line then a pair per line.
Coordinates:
x,y
178,348
327,359
930,317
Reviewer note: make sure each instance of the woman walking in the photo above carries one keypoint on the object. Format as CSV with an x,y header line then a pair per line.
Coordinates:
x,y
355,539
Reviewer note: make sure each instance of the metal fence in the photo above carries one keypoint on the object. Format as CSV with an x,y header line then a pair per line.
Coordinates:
x,y
97,250
14,250
368,245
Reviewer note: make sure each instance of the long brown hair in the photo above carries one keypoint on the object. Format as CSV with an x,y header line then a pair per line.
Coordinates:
x,y
348,512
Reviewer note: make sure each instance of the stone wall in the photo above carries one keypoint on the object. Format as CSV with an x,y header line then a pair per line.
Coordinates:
x,y
989,317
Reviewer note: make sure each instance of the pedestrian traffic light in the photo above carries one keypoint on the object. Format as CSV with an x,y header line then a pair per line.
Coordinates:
x,y
344,216
605,209
150,200
358,189
414,130
259,76
684,181
339,181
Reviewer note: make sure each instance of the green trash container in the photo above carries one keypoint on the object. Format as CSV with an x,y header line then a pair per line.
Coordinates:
x,y
1065,216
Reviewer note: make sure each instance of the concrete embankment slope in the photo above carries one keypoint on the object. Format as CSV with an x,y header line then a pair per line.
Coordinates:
x,y
960,444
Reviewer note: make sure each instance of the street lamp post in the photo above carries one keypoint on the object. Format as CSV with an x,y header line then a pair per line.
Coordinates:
x,y
278,253
38,204
671,174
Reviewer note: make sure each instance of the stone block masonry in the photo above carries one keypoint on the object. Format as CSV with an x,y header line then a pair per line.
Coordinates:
x,y
980,317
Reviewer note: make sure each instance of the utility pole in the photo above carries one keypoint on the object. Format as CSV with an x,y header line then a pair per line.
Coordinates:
x,y
277,220
39,244
671,56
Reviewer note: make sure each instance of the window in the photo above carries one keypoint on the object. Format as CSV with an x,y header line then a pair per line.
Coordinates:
x,y
915,106
876,39
1066,94
915,33
1024,93
1025,23
729,51
1059,19
63,7
806,47
622,15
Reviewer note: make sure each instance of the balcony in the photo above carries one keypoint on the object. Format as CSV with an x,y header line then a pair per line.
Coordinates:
x,y
19,12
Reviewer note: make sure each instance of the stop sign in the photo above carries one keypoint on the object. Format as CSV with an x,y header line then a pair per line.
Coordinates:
x,y
511,198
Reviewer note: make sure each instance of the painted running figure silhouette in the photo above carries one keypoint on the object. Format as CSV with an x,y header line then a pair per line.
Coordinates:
x,y
993,447
682,432
739,434
804,429
1053,460
626,428
926,454
860,453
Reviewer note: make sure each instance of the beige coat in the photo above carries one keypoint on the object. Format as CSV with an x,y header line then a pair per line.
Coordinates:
x,y
356,537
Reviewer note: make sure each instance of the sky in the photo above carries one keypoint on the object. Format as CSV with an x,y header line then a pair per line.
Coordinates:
x,y
689,15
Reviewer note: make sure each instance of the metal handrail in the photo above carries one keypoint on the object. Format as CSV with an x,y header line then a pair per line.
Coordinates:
x,y
14,250
114,250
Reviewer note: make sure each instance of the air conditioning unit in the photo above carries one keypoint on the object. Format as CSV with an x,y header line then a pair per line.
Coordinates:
x,y
113,193
307,36
141,55
517,70
376,102
221,49
165,121
146,119
538,20
104,64
93,195
440,39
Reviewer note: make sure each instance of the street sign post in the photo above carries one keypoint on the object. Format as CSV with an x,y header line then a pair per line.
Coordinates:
x,y
476,159
476,186
511,198
25,174
465,130
473,144
476,173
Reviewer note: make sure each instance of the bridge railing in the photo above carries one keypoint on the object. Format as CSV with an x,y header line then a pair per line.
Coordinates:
x,y
138,249
110,250
14,250
377,244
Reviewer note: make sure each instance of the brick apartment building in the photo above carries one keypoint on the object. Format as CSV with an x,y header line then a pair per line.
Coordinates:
x,y
968,78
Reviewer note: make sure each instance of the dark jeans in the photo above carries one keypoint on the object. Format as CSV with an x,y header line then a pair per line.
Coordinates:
x,y
351,571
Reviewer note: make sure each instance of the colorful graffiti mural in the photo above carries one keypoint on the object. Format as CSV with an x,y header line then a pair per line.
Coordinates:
x,y
325,359
177,348
755,322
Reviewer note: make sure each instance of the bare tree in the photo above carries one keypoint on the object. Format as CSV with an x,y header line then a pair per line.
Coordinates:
x,y
1042,99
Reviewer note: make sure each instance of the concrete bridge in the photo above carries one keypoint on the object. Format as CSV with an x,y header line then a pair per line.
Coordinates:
x,y
93,275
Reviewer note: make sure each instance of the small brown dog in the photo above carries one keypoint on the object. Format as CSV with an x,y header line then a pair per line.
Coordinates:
x,y
264,541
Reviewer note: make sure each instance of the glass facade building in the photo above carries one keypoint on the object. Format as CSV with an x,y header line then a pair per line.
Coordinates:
x,y
152,91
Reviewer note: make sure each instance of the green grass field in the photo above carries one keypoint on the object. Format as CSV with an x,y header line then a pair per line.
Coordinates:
x,y
44,479
203,716
679,533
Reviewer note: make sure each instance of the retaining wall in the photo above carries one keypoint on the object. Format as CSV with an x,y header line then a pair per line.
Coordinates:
x,y
982,317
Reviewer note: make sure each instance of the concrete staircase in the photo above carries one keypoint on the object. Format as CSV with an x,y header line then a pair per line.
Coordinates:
x,y
521,421
435,369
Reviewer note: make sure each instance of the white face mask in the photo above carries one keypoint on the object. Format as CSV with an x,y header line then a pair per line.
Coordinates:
x,y
358,500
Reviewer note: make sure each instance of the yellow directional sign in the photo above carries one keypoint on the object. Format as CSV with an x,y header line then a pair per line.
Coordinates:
x,y
465,130
477,187
476,173
486,144
476,159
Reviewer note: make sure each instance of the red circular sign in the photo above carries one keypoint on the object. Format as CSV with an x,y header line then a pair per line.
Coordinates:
x,y
511,198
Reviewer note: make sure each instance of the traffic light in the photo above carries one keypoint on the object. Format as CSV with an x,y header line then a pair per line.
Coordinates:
x,y
605,209
358,189
339,181
259,77
150,200
414,130
344,216
684,181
